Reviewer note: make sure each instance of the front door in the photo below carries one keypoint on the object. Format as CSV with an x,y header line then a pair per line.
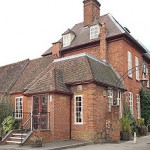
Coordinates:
x,y
40,114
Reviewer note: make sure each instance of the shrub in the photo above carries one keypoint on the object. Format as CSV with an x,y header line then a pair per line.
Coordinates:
x,y
8,124
142,129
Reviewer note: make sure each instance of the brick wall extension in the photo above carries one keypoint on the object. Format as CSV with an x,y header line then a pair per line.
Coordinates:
x,y
95,107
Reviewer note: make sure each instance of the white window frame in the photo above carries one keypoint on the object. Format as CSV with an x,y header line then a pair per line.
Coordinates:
x,y
75,110
129,64
131,102
138,106
110,99
137,68
66,40
94,32
18,110
119,102
147,77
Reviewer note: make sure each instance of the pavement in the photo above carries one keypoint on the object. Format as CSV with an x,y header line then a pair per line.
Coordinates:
x,y
47,146
143,143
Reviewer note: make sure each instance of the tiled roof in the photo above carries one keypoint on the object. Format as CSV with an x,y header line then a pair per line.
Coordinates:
x,y
10,73
77,69
50,82
104,74
83,33
33,69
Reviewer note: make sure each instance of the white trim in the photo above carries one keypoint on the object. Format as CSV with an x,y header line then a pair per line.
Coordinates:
x,y
80,55
116,23
147,77
129,64
75,122
110,99
131,102
137,68
19,97
119,103
138,106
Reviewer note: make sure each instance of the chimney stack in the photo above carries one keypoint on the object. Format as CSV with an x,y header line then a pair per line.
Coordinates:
x,y
91,11
56,48
103,43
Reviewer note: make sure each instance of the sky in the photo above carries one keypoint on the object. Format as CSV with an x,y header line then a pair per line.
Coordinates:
x,y
29,27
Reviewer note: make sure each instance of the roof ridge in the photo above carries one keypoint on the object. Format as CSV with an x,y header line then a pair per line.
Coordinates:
x,y
14,63
87,59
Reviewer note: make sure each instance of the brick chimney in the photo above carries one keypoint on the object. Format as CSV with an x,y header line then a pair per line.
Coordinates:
x,y
91,11
103,43
56,48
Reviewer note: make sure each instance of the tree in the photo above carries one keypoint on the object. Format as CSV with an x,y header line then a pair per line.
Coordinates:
x,y
145,104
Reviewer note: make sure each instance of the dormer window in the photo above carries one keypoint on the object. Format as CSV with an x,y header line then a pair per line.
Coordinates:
x,y
94,32
66,40
68,37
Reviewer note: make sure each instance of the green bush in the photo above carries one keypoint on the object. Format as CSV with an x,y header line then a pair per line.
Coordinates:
x,y
145,105
125,123
132,121
8,124
142,129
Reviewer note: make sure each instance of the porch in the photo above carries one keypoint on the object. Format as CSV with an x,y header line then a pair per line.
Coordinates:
x,y
28,126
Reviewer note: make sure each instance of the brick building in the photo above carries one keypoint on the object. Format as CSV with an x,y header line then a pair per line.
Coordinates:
x,y
77,89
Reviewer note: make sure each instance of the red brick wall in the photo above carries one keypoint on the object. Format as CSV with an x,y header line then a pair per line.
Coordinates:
x,y
59,121
113,125
61,117
118,57
93,50
94,114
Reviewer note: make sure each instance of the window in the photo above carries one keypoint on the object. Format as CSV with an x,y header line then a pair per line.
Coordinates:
x,y
78,103
18,107
147,77
137,68
129,64
110,99
131,102
138,106
94,32
66,40
119,103
143,66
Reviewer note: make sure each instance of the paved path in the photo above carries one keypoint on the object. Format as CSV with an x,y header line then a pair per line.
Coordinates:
x,y
143,143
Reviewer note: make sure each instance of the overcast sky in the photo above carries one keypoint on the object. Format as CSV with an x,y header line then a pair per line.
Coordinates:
x,y
28,27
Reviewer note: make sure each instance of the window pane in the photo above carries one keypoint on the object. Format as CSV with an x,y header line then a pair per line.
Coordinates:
x,y
78,109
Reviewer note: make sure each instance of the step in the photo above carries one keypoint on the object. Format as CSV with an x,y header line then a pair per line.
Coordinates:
x,y
19,134
17,138
14,142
